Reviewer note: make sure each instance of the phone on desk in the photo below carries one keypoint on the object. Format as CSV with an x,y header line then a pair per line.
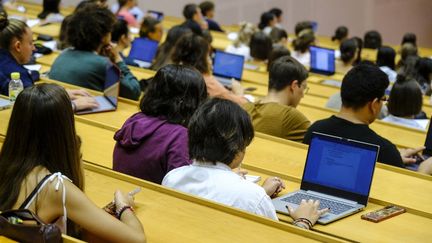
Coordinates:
x,y
384,213
111,207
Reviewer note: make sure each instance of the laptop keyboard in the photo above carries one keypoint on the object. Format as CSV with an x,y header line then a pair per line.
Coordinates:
x,y
335,207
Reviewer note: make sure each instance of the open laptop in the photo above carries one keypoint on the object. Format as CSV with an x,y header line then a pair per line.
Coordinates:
x,y
156,14
227,66
338,172
109,100
322,60
143,51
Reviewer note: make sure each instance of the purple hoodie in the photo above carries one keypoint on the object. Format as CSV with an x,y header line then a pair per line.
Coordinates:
x,y
148,147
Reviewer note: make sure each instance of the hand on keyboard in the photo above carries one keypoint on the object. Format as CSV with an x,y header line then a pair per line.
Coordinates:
x,y
308,210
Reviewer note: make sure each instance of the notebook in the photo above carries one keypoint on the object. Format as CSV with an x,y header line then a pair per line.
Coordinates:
x,y
4,104
227,66
322,60
109,100
338,172
143,51
156,14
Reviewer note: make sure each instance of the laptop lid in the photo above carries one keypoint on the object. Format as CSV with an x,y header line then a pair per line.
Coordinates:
x,y
340,167
112,85
143,49
228,65
322,60
156,14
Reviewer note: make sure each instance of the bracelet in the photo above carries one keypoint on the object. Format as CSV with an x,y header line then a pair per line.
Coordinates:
x,y
301,225
304,221
73,106
122,209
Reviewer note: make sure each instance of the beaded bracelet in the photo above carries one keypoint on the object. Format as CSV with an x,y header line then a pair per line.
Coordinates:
x,y
122,209
305,221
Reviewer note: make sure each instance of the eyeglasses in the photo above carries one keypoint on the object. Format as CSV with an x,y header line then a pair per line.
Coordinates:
x,y
305,88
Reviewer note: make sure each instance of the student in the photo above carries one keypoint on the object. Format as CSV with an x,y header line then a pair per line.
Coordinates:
x,y
276,113
360,48
341,34
423,74
408,50
151,28
219,133
85,64
208,12
372,40
363,96
349,52
279,36
124,7
278,13
277,52
154,141
135,11
16,47
164,52
267,22
194,20
260,47
51,12
405,102
120,36
301,45
386,61
241,45
193,50
26,162
303,25
409,38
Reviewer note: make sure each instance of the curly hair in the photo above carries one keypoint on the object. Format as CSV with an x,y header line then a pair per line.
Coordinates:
x,y
87,28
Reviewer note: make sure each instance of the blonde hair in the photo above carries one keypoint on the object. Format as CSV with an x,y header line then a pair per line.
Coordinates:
x,y
245,33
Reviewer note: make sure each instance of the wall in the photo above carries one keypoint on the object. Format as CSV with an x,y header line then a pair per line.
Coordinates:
x,y
392,18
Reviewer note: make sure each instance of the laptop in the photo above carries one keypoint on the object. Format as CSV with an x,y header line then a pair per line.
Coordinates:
x,y
5,104
143,51
338,172
322,60
227,66
109,100
156,14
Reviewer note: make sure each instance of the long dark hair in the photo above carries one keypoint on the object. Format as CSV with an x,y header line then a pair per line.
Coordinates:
x,y
174,94
192,50
41,132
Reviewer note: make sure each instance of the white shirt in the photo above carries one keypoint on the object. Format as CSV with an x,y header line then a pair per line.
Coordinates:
x,y
303,58
242,50
420,124
390,73
220,184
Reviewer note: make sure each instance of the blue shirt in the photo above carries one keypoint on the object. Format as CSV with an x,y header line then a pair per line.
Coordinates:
x,y
8,65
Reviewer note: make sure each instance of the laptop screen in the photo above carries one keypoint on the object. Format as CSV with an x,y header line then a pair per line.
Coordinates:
x,y
322,60
341,164
112,84
228,65
156,14
143,49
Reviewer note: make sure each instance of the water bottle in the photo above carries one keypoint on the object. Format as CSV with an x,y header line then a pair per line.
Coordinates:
x,y
15,86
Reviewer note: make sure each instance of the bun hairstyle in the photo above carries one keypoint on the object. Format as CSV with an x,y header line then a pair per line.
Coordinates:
x,y
348,49
305,39
9,29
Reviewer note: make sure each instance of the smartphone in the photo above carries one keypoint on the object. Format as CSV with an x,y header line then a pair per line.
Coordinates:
x,y
384,213
111,207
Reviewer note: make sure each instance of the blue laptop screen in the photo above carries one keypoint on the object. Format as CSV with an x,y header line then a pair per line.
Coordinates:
x,y
340,164
228,65
322,59
112,82
143,49
156,14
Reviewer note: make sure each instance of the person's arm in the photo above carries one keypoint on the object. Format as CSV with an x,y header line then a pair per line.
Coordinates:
x,y
215,89
273,185
307,213
407,155
95,220
130,86
426,167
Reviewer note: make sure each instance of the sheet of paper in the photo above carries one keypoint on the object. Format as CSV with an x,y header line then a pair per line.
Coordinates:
x,y
34,67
